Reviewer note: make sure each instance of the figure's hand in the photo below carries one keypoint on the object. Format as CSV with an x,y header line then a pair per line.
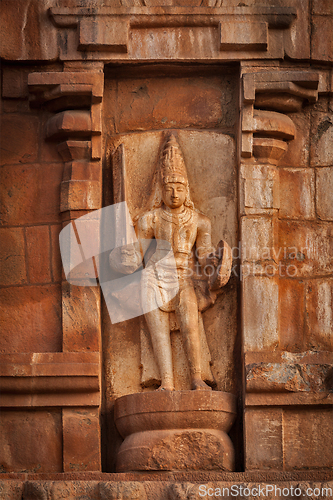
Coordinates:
x,y
128,255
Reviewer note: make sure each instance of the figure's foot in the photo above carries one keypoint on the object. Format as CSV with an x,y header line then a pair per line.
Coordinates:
x,y
199,385
165,387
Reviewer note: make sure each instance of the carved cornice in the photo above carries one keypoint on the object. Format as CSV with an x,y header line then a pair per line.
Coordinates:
x,y
203,33
49,379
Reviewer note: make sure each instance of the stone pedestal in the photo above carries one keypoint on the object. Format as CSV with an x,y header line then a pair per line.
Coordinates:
x,y
175,431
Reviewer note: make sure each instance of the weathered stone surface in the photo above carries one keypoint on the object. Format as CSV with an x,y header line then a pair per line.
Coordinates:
x,y
297,193
259,189
291,314
31,441
322,7
170,437
80,195
307,439
263,439
260,313
305,248
319,314
297,154
173,103
322,38
258,237
12,257
324,189
295,377
22,127
80,318
28,34
321,152
81,440
27,198
297,38
38,254
56,264
31,319
11,490
127,491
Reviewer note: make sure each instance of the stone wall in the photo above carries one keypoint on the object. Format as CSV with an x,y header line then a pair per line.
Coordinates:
x,y
76,78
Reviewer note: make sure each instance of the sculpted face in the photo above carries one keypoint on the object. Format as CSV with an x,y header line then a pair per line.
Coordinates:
x,y
174,194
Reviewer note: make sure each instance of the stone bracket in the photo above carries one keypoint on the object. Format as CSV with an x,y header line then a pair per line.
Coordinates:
x,y
267,96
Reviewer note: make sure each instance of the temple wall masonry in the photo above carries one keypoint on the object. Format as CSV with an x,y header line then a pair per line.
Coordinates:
x,y
213,121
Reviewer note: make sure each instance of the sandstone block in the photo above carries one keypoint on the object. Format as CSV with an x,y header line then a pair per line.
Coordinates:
x,y
31,319
305,248
297,154
297,193
27,33
319,315
106,35
297,37
321,152
56,264
12,257
322,7
74,490
307,439
19,138
80,195
260,313
81,440
258,238
324,190
259,188
80,317
263,439
243,36
31,441
11,489
38,254
322,38
14,83
30,194
175,102
291,314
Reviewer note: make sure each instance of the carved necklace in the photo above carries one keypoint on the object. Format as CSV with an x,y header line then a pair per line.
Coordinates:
x,y
177,219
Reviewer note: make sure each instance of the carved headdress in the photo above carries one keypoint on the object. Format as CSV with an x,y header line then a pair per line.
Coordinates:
x,y
173,167
170,168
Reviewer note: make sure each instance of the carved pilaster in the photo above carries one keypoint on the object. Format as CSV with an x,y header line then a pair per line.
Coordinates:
x,y
267,99
75,98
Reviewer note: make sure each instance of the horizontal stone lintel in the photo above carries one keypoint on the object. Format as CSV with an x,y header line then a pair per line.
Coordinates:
x,y
162,16
49,379
288,399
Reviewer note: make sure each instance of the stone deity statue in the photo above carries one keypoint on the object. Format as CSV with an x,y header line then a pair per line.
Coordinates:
x,y
173,221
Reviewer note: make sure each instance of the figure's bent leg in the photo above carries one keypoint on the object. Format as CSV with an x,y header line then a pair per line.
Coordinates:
x,y
159,328
187,316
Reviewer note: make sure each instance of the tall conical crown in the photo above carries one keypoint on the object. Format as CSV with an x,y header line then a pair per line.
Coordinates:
x,y
173,167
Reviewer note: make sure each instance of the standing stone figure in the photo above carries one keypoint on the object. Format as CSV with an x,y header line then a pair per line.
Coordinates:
x,y
190,277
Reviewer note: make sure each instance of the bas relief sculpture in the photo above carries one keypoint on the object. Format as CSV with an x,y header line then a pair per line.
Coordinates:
x,y
181,286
